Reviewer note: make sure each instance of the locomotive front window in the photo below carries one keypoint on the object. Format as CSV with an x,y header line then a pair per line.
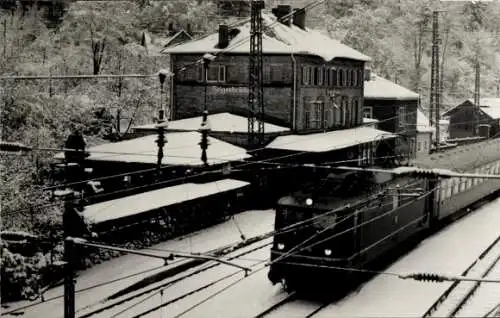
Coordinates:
x,y
319,220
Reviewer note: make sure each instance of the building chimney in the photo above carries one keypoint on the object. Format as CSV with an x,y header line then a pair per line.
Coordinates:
x,y
299,18
223,36
171,29
281,11
368,75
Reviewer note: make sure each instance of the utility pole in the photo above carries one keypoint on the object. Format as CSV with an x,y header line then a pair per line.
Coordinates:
x,y
5,37
256,92
435,98
69,253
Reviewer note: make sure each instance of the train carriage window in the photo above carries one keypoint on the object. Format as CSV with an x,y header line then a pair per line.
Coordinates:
x,y
463,184
456,185
449,188
469,183
476,180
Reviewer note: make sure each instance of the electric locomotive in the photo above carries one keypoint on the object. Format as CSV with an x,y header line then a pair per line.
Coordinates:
x,y
326,231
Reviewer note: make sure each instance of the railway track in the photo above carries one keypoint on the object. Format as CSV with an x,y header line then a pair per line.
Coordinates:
x,y
145,296
292,306
462,295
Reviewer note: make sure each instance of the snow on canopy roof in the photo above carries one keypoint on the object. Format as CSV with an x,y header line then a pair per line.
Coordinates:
x,y
280,39
152,200
380,88
423,122
370,120
329,141
181,148
222,122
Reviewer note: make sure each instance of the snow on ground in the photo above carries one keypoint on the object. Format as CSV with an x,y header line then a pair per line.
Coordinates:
x,y
460,291
252,223
298,308
222,273
451,251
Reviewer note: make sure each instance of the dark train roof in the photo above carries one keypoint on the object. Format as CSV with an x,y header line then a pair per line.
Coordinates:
x,y
463,158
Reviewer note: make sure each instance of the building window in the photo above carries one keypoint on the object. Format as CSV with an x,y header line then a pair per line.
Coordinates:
x,y
329,117
307,116
354,112
347,78
276,74
321,75
306,74
199,73
333,77
318,114
360,78
419,146
354,78
367,112
402,116
216,73
344,111
341,77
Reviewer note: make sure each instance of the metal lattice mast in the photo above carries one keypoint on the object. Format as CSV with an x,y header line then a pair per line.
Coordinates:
x,y
477,90
435,78
255,76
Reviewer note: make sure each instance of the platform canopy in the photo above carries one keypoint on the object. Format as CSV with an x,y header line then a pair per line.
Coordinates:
x,y
181,148
153,200
329,141
222,122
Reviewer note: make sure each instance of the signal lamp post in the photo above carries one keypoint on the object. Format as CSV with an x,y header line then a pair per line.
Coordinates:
x,y
162,123
205,125
204,129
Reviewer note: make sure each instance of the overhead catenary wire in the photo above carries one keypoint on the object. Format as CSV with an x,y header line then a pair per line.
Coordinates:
x,y
80,290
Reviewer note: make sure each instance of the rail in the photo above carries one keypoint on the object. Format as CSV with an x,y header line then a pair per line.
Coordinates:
x,y
435,306
471,292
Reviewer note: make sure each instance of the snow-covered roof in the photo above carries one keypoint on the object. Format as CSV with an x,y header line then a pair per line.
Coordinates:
x,y
329,141
278,39
181,148
423,123
380,88
370,120
490,106
148,201
222,122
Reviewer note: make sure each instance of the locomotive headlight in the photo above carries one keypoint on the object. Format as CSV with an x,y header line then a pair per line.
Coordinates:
x,y
281,246
328,252
309,201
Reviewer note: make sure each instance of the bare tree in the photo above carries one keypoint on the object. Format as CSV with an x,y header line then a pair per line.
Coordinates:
x,y
98,46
